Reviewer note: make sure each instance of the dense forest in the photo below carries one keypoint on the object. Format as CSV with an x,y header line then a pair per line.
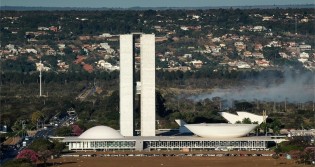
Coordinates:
x,y
19,100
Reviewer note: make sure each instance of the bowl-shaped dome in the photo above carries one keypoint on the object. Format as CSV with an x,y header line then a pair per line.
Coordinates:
x,y
101,132
220,130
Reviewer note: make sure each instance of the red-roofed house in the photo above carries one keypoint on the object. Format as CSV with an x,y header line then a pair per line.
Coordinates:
x,y
88,68
79,59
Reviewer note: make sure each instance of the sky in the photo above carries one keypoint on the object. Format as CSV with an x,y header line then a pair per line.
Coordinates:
x,y
148,3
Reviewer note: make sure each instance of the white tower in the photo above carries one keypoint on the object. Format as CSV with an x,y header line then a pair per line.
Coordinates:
x,y
40,79
128,84
147,77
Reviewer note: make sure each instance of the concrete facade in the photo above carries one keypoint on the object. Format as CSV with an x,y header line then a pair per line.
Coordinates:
x,y
172,143
126,86
147,75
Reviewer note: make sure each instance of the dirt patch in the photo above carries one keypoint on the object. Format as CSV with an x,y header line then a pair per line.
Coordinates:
x,y
172,162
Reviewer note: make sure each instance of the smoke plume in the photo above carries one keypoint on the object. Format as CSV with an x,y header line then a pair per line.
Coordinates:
x,y
294,87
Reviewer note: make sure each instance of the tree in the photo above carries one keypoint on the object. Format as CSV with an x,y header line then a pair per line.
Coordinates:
x,y
63,131
36,116
43,148
246,121
44,155
41,144
263,126
309,154
275,126
296,143
295,154
160,105
58,147
257,129
28,154
243,105
76,130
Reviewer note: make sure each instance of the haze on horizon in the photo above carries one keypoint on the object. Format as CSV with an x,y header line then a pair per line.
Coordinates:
x,y
148,3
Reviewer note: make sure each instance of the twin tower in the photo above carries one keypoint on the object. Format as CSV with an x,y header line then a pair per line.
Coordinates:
x,y
129,87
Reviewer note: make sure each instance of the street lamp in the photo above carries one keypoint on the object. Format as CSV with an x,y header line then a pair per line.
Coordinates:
x,y
23,127
37,123
313,157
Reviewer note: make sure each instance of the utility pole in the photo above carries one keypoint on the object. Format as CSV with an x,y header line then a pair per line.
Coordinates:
x,y
23,127
295,25
40,79
37,124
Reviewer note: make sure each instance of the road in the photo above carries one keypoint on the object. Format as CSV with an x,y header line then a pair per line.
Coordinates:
x,y
13,151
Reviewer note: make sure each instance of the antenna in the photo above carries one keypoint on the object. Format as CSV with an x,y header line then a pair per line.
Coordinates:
x,y
40,79
295,25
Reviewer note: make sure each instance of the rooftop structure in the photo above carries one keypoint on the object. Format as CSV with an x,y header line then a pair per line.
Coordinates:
x,y
101,132
223,130
232,118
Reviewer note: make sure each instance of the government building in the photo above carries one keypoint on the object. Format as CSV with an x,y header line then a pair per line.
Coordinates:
x,y
225,136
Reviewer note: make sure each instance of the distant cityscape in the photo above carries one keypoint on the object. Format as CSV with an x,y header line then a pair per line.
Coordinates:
x,y
188,42
83,83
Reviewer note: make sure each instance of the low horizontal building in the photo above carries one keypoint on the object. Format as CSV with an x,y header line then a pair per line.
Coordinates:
x,y
104,138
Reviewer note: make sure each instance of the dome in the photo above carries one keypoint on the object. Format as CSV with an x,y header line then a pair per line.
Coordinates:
x,y
220,130
101,132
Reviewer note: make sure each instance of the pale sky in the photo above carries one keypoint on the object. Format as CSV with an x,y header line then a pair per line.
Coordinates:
x,y
148,3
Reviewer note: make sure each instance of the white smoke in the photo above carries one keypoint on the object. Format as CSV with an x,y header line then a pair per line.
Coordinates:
x,y
295,88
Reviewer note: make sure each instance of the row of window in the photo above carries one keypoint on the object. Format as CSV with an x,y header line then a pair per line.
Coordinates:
x,y
204,144
109,144
171,144
106,144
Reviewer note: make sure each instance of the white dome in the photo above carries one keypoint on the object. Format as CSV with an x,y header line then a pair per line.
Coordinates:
x,y
101,132
220,130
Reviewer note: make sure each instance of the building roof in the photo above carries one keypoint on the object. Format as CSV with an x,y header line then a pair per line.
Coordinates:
x,y
100,132
176,138
12,140
88,68
232,118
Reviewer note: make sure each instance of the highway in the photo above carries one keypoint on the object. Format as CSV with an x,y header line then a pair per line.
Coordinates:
x,y
12,151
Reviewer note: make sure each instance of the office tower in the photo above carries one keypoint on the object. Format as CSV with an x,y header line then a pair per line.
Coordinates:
x,y
147,77
128,84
